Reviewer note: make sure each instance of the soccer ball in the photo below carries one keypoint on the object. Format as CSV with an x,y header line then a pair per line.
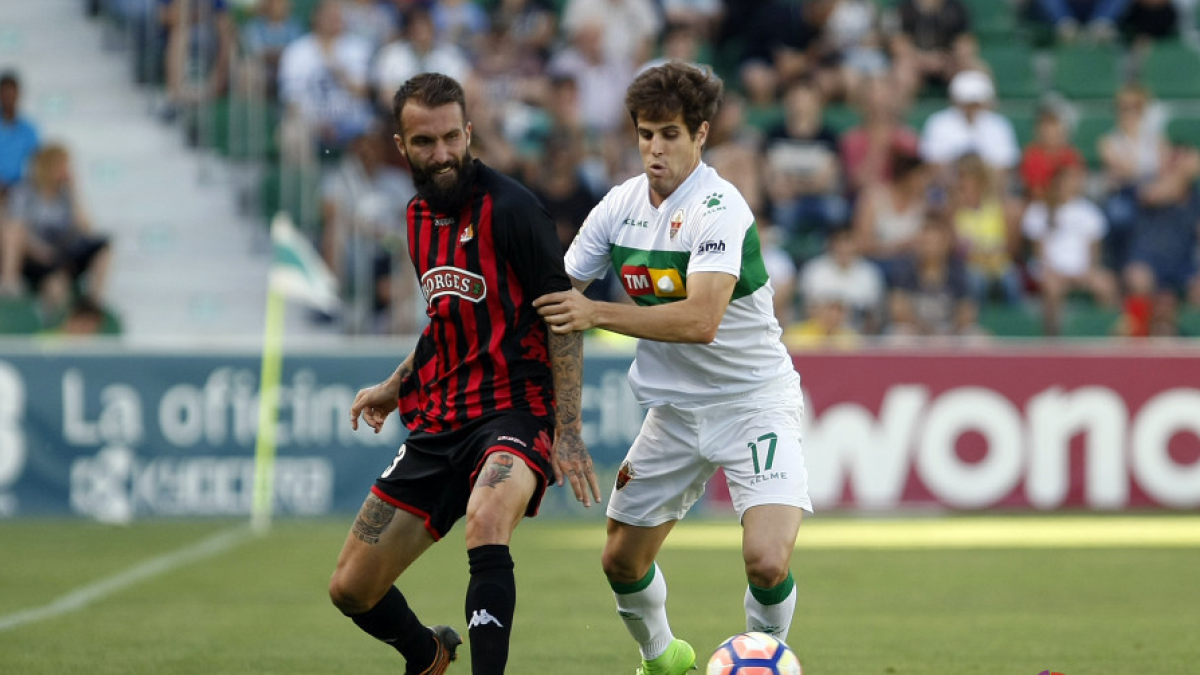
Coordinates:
x,y
753,654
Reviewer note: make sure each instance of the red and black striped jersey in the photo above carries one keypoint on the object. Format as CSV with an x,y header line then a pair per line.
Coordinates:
x,y
485,347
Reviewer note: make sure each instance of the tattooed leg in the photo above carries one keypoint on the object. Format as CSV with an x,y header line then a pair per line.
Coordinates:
x,y
373,518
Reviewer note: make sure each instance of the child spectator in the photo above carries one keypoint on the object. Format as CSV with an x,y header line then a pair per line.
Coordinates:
x,y
984,228
930,295
1050,151
1066,230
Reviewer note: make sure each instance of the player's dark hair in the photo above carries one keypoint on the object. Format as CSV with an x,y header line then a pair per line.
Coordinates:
x,y
429,90
662,92
9,78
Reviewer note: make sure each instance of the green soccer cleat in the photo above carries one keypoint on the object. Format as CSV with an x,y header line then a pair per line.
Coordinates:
x,y
677,660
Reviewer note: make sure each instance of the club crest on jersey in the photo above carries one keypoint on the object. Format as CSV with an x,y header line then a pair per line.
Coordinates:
x,y
442,280
624,474
467,234
642,280
676,223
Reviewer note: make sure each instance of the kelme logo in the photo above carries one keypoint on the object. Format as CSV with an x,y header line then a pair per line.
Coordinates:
x,y
443,280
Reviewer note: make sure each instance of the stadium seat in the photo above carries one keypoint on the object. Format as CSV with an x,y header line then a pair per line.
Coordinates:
x,y
1086,71
1012,69
1184,131
1171,70
1004,320
19,316
841,117
992,20
1092,125
241,128
1085,319
294,190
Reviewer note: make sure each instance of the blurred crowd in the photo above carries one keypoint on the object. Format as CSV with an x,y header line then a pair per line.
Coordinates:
x,y
896,190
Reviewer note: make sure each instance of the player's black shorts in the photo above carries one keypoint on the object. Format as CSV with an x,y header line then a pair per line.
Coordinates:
x,y
432,474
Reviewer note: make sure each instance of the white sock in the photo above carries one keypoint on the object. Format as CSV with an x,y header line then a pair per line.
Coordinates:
x,y
642,605
769,610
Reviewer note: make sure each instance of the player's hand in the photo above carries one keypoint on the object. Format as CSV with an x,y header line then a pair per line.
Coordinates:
x,y
566,311
573,463
374,404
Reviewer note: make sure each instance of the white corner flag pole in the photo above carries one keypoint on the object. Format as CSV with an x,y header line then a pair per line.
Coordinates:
x,y
297,272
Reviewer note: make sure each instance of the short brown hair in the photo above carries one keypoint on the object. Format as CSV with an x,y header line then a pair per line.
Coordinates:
x,y
662,92
430,90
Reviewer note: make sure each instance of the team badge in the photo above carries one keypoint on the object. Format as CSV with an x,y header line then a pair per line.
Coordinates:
x,y
624,474
467,234
676,223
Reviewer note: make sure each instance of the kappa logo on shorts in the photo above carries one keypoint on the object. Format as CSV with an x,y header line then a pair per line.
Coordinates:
x,y
624,474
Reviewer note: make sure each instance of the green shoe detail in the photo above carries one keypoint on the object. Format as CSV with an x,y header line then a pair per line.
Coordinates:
x,y
677,660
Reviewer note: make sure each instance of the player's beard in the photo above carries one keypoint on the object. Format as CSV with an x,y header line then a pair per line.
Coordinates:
x,y
446,199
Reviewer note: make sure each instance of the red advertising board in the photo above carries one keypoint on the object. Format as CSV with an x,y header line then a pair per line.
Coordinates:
x,y
1062,428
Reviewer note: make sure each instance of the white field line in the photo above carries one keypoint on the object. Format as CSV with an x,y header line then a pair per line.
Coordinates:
x,y
85,595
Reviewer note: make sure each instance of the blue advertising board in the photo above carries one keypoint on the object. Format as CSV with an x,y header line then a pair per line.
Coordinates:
x,y
119,434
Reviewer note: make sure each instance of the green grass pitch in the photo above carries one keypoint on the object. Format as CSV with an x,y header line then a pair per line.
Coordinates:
x,y
259,607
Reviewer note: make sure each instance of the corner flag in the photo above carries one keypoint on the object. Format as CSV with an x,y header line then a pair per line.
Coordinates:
x,y
297,273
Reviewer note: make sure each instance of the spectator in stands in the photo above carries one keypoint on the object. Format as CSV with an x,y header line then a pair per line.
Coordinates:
x,y
201,38
1097,17
825,326
371,20
930,295
784,36
856,45
532,24
1149,20
842,273
781,269
461,22
48,226
888,215
559,185
1131,155
1164,240
323,84
1066,230
933,42
986,235
419,50
630,27
363,202
600,77
970,126
702,18
263,39
868,148
1050,151
803,173
679,42
18,135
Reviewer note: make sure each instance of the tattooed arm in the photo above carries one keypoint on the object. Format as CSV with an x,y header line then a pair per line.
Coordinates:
x,y
571,459
377,402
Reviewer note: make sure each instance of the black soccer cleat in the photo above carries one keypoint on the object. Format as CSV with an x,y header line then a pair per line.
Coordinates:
x,y
447,640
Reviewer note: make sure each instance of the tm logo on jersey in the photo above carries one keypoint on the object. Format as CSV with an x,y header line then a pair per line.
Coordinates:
x,y
711,246
642,280
443,280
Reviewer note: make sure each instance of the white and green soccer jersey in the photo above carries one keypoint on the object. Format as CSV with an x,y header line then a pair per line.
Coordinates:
x,y
704,226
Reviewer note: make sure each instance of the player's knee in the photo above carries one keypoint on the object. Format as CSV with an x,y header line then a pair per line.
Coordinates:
x,y
348,598
622,569
766,571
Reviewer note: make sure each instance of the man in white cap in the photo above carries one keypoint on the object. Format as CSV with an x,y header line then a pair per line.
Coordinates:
x,y
970,126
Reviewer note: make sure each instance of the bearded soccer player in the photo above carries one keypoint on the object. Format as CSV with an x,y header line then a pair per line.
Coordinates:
x,y
481,394
719,385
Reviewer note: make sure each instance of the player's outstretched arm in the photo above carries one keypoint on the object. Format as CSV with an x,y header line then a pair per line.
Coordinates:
x,y
570,456
694,319
375,403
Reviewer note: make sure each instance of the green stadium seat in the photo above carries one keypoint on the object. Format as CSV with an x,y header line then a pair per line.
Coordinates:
x,y
1185,130
992,20
1012,64
19,316
1092,125
921,109
1189,322
1171,70
1086,71
841,117
1004,320
1085,319
241,128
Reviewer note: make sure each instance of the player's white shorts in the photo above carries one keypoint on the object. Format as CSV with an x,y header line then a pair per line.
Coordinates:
x,y
754,437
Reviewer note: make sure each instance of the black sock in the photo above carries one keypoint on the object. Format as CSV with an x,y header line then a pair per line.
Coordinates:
x,y
491,602
391,621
